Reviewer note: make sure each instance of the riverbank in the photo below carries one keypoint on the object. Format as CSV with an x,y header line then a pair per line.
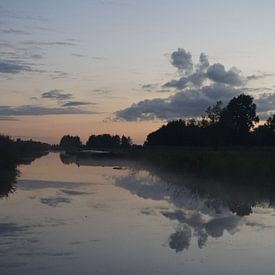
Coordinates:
x,y
242,163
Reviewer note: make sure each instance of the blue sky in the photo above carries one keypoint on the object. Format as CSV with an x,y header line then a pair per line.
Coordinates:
x,y
111,54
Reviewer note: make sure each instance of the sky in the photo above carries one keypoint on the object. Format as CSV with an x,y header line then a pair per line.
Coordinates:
x,y
126,67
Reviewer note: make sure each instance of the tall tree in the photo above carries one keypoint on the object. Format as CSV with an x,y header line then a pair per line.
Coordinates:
x,y
238,118
68,142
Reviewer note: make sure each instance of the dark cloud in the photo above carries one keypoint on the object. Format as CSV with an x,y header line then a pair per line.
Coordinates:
x,y
74,192
182,60
199,86
36,56
195,79
77,103
47,43
9,118
57,95
55,201
15,31
216,227
186,103
181,239
204,63
10,67
217,73
12,229
37,110
258,76
148,86
266,104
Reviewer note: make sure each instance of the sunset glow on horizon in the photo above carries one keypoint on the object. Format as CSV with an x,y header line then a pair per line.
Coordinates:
x,y
124,67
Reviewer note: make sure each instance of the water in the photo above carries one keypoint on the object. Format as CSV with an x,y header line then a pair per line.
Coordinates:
x,y
72,216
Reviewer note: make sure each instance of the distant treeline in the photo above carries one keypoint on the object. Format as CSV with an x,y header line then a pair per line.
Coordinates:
x,y
233,124
13,152
68,142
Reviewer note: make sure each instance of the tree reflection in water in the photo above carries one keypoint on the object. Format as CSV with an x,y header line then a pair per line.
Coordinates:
x,y
200,208
9,174
7,182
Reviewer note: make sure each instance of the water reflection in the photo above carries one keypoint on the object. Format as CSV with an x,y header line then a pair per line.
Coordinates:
x,y
87,213
9,176
7,182
102,161
200,208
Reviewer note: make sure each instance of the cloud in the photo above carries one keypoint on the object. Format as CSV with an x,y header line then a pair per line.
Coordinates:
x,y
10,67
217,73
186,103
57,95
37,110
195,79
15,31
9,118
149,87
204,63
102,91
55,201
181,239
258,76
266,104
47,43
182,60
77,103
58,74
36,56
199,86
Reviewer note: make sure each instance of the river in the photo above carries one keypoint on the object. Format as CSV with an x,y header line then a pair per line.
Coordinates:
x,y
73,216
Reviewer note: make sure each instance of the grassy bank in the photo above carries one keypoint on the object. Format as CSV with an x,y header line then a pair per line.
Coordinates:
x,y
241,163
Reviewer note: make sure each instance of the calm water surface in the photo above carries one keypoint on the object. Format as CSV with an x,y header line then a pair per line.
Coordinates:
x,y
72,216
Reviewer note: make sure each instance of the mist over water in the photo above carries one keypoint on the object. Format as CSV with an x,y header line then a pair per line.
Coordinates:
x,y
86,216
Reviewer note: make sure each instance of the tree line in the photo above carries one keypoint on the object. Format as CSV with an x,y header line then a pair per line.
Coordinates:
x,y
103,141
15,152
230,125
233,124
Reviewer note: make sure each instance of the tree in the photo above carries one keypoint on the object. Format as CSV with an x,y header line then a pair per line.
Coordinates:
x,y
126,142
68,142
214,112
265,134
103,141
238,118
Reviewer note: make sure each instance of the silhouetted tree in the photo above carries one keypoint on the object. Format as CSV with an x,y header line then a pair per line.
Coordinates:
x,y
13,153
214,112
238,118
103,141
8,155
231,125
265,134
68,142
126,142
